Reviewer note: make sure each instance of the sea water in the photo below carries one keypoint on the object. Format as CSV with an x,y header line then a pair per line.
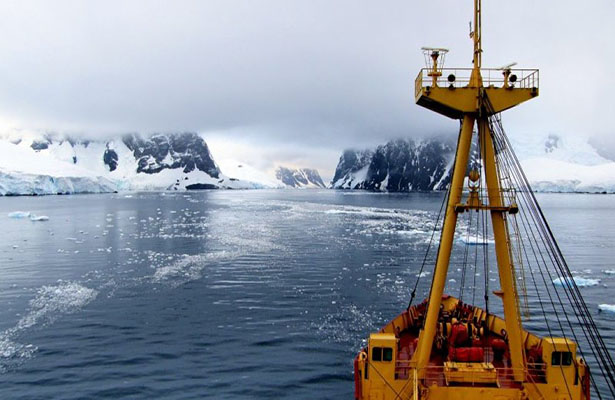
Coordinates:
x,y
236,294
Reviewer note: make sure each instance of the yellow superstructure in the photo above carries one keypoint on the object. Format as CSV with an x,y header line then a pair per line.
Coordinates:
x,y
416,356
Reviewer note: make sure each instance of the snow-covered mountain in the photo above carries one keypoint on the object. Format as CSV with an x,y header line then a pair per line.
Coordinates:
x,y
564,164
398,166
50,164
551,162
245,172
299,178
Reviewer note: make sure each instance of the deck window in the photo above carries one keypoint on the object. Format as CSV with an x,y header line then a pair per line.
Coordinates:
x,y
561,358
387,354
377,354
382,354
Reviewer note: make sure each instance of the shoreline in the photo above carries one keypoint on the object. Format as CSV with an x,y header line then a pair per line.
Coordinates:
x,y
259,189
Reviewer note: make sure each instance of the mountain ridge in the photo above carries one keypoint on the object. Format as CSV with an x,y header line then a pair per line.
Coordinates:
x,y
299,177
553,163
400,165
50,164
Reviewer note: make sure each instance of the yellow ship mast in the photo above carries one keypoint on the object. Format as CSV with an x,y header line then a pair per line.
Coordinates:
x,y
473,103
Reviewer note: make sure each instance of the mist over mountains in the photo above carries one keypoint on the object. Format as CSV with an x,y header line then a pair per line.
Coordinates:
x,y
33,164
551,162
53,164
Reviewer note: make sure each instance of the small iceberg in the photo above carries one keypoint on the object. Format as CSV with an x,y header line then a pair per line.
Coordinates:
x,y
607,308
19,214
476,240
609,271
39,218
581,282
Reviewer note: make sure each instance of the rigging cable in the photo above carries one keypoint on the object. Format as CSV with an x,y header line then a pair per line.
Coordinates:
x,y
571,290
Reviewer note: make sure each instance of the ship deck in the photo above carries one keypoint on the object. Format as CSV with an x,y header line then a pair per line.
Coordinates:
x,y
490,348
435,370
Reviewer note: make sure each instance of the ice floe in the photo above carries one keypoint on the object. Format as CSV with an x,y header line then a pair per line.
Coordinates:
x,y
580,281
187,268
607,307
476,240
19,214
50,303
54,300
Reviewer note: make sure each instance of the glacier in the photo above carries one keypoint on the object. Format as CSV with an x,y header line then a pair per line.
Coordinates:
x,y
558,163
578,280
41,164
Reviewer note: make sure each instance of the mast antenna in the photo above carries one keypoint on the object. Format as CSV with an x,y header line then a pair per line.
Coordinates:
x,y
477,34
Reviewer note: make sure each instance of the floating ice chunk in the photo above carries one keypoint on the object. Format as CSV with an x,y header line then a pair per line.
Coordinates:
x,y
51,301
411,232
609,271
423,274
39,218
19,214
581,282
607,307
476,240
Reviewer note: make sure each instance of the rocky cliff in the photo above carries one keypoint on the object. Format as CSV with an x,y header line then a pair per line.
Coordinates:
x,y
401,165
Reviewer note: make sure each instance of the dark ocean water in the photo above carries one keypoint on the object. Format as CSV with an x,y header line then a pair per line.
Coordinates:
x,y
231,294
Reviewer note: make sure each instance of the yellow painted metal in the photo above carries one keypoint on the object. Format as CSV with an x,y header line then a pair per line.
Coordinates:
x,y
466,393
455,102
560,373
458,372
467,102
452,103
466,99
426,336
435,73
503,99
477,35
382,371
502,249
430,382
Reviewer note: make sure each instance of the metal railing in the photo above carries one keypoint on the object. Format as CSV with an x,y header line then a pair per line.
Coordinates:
x,y
434,375
525,78
535,373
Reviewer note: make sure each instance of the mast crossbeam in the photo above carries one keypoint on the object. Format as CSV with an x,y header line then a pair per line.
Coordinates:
x,y
512,209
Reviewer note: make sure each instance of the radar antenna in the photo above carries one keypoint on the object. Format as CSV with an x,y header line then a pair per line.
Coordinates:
x,y
509,77
434,60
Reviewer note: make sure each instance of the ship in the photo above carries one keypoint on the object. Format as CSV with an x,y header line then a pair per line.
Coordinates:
x,y
447,347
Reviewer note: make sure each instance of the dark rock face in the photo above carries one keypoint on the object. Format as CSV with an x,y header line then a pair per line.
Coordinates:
x,y
201,186
398,166
351,162
110,158
551,143
299,177
313,176
39,145
185,150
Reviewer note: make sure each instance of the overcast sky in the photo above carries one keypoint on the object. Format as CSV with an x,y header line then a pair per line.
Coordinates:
x,y
291,81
